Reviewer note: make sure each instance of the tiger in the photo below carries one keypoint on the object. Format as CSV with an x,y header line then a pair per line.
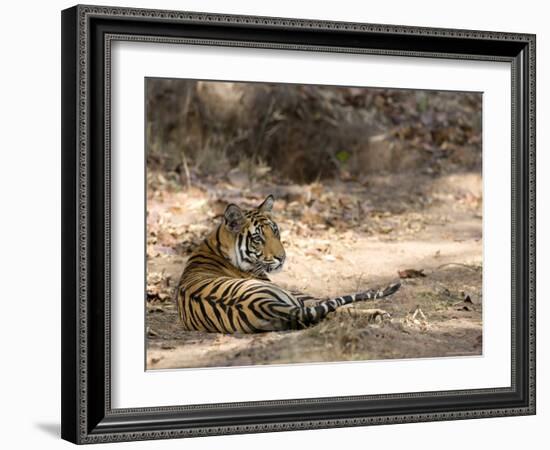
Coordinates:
x,y
225,288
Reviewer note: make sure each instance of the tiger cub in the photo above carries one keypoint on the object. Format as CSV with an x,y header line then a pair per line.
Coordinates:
x,y
224,287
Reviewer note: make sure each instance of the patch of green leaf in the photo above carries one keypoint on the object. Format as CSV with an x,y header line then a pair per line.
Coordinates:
x,y
343,156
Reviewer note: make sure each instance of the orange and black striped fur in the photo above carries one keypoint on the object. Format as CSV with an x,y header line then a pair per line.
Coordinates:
x,y
224,287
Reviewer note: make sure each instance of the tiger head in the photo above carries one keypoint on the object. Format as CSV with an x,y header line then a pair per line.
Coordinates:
x,y
254,238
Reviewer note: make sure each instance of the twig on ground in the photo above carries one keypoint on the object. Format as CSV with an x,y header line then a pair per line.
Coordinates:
x,y
186,169
456,264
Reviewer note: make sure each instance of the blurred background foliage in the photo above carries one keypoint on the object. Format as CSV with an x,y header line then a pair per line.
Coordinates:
x,y
304,133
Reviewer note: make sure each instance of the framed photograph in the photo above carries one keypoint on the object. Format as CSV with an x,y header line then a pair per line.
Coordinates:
x,y
280,224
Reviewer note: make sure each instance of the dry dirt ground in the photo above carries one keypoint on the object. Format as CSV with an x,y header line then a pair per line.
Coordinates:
x,y
340,237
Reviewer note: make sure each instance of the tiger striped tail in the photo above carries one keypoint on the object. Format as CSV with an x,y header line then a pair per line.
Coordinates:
x,y
310,315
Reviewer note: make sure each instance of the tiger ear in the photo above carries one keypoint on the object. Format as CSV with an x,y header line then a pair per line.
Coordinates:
x,y
233,218
267,204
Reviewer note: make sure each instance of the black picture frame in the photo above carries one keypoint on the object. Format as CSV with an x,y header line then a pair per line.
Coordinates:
x,y
87,33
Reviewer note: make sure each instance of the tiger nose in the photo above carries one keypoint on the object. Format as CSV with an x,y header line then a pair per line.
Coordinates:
x,y
281,258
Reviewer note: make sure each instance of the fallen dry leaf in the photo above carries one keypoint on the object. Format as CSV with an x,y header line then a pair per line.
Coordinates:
x,y
411,273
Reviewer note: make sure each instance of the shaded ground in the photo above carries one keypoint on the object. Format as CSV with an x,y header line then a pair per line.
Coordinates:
x,y
340,237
